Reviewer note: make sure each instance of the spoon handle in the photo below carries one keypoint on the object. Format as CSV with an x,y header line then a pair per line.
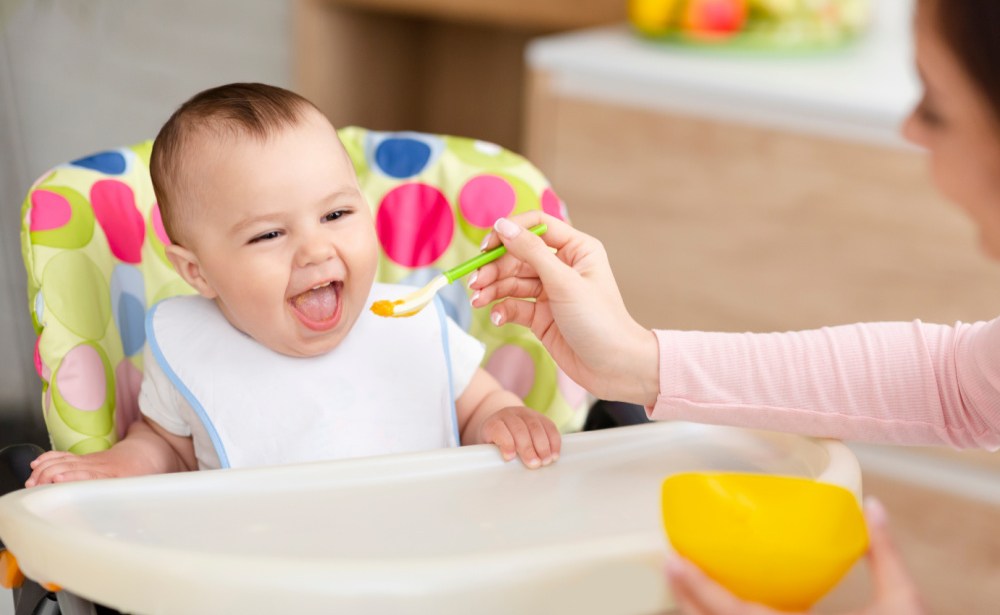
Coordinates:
x,y
486,257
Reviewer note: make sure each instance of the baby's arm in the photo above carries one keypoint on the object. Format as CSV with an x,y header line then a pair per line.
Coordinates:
x,y
489,413
147,448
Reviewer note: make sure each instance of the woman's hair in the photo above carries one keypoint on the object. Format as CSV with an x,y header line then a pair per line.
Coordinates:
x,y
971,28
239,110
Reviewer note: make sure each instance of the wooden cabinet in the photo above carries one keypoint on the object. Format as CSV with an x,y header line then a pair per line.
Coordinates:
x,y
752,193
446,66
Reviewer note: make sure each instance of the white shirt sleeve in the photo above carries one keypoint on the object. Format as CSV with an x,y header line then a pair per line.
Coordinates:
x,y
465,355
159,399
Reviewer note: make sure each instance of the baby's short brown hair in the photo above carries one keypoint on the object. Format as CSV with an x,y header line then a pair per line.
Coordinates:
x,y
253,110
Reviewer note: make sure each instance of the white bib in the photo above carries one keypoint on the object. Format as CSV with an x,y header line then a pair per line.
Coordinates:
x,y
385,389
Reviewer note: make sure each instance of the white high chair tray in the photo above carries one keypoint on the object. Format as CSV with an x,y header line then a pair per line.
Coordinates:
x,y
452,531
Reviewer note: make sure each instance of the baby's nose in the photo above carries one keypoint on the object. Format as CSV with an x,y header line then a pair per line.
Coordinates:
x,y
315,250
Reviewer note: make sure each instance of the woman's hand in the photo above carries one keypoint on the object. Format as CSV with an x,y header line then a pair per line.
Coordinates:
x,y
573,306
895,593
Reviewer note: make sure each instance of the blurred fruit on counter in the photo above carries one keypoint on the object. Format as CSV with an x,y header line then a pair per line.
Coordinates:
x,y
752,24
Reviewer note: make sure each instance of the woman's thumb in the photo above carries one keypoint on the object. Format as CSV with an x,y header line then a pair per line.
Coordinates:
x,y
887,569
529,248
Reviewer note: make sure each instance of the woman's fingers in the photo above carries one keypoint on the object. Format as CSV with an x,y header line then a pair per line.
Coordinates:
x,y
893,585
557,235
513,311
697,594
535,250
519,288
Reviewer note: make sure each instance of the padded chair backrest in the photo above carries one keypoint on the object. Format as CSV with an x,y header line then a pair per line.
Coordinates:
x,y
93,246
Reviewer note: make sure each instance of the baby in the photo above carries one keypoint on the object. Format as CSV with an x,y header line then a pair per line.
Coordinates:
x,y
278,359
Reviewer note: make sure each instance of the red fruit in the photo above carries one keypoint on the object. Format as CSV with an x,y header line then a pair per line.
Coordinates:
x,y
715,18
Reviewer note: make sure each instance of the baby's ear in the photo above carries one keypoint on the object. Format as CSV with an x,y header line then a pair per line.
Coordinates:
x,y
186,264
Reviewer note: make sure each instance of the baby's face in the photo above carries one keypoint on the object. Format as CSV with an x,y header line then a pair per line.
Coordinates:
x,y
281,236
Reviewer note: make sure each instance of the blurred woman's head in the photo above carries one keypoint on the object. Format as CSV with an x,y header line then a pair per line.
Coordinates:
x,y
958,117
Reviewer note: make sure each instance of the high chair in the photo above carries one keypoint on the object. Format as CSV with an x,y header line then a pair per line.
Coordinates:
x,y
93,245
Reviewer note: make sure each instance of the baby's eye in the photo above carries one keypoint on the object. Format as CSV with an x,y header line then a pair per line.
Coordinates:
x,y
266,236
334,215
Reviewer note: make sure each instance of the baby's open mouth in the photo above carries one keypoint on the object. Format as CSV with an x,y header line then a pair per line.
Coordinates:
x,y
319,304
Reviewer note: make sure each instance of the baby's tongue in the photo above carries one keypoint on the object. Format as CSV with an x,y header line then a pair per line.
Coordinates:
x,y
319,304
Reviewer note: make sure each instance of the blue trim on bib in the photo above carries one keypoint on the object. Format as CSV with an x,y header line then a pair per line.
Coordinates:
x,y
220,450
443,320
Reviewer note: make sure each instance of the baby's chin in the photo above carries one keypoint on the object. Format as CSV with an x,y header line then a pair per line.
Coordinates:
x,y
313,344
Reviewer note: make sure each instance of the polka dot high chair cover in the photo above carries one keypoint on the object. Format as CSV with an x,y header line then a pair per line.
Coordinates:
x,y
93,247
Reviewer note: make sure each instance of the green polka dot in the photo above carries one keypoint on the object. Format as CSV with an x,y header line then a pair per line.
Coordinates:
x,y
90,445
155,244
545,387
173,288
74,234
96,422
143,150
482,155
77,294
526,199
353,139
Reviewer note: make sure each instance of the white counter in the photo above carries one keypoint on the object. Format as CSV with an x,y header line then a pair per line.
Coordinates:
x,y
859,92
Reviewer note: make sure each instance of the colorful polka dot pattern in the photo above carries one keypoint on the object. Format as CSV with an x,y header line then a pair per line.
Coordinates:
x,y
93,241
435,198
93,245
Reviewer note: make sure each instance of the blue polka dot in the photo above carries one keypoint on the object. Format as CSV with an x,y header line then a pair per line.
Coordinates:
x,y
402,155
131,315
112,163
128,291
39,308
456,304
402,158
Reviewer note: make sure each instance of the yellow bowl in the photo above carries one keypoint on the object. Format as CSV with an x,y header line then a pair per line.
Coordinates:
x,y
781,541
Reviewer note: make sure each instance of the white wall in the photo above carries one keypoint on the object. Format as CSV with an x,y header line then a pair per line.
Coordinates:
x,y
77,76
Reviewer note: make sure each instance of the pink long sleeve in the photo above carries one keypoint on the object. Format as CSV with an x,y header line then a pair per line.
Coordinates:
x,y
899,383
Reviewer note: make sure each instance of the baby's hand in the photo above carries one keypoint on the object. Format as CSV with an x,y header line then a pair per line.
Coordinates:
x,y
523,432
63,467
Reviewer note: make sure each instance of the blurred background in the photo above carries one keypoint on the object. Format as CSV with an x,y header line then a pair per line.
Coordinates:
x,y
742,178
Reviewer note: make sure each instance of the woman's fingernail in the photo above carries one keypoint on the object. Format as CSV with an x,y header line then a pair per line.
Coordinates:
x,y
475,296
495,318
875,512
486,241
472,278
506,228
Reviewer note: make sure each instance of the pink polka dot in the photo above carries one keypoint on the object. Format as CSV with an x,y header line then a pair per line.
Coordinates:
x,y
514,368
574,394
161,232
415,224
485,198
81,379
114,208
38,358
552,204
127,382
48,211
